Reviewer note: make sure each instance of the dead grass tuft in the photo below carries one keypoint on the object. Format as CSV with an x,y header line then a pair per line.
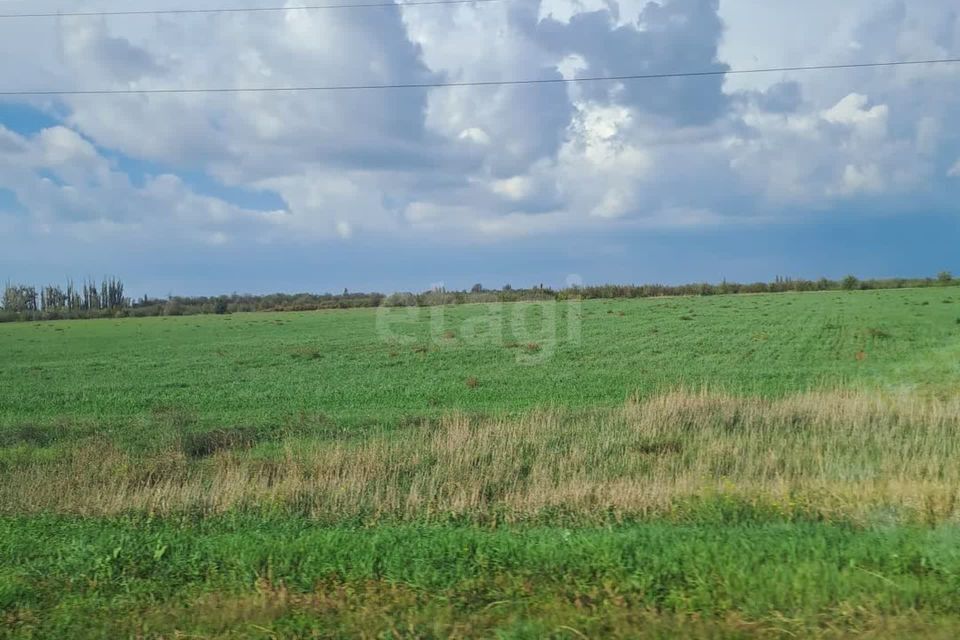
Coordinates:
x,y
827,454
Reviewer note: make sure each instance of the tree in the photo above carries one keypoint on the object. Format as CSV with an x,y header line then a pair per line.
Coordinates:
x,y
507,287
477,288
850,283
945,277
173,308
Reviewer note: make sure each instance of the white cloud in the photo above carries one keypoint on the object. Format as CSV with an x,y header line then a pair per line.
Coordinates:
x,y
853,111
475,162
475,134
515,188
866,178
63,181
344,230
59,146
218,238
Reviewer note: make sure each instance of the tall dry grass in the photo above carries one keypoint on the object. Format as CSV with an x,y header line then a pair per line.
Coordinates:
x,y
826,454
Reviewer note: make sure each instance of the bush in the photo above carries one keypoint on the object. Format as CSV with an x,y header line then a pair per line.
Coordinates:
x,y
207,443
30,434
172,308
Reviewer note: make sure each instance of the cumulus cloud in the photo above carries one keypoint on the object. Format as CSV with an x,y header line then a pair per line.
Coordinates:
x,y
662,38
88,45
62,179
853,112
472,163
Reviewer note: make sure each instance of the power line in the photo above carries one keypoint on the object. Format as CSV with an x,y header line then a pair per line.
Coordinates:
x,y
478,83
158,12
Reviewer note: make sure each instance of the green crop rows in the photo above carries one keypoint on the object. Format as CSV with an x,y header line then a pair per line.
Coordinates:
x,y
256,367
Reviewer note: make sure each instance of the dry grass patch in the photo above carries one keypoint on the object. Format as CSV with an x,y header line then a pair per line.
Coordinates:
x,y
829,454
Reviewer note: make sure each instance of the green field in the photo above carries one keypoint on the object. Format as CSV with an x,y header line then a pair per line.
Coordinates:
x,y
259,368
782,465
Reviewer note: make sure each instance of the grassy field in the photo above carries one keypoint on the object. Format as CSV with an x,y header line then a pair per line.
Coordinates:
x,y
735,466
258,368
280,578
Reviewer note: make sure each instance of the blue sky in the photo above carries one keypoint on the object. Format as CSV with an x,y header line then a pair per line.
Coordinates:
x,y
689,180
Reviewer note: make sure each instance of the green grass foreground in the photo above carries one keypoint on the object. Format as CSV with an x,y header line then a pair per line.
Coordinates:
x,y
255,577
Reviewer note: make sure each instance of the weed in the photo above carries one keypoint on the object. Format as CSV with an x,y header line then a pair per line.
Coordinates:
x,y
306,352
207,443
30,435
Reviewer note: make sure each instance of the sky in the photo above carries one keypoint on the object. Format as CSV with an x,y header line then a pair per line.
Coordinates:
x,y
740,177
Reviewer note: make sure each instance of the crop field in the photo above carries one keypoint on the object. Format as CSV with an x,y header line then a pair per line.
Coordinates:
x,y
782,465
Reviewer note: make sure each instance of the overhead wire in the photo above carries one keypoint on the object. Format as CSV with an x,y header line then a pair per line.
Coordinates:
x,y
470,83
317,7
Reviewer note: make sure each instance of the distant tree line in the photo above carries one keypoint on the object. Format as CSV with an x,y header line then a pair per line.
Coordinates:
x,y
779,285
107,300
89,299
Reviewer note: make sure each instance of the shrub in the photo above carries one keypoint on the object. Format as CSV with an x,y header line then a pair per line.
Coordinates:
x,y
173,308
207,443
29,434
